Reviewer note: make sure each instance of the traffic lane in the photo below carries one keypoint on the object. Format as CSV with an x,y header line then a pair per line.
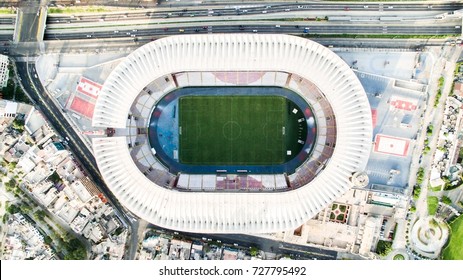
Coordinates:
x,y
5,38
174,13
316,29
265,244
29,25
127,44
7,21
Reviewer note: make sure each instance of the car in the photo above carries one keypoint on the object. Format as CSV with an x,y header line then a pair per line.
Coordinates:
x,y
204,27
390,7
181,30
133,35
277,26
429,6
366,7
264,12
346,8
306,30
116,31
241,27
255,30
192,15
135,30
89,36
287,10
196,30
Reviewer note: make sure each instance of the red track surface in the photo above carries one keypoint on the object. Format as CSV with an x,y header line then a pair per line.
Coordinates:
x,y
82,107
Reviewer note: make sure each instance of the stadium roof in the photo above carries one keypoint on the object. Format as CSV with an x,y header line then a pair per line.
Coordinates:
x,y
232,212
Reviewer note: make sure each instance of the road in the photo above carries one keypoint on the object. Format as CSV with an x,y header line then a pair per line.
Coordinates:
x,y
297,251
31,21
255,28
243,9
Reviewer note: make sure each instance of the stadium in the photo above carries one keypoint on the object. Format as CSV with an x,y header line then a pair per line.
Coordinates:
x,y
231,133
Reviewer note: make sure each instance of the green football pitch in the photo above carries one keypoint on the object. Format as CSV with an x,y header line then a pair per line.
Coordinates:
x,y
232,130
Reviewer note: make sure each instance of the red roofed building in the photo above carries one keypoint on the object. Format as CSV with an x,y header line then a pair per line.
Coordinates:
x,y
458,89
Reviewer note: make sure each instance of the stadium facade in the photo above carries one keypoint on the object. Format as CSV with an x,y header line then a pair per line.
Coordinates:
x,y
184,202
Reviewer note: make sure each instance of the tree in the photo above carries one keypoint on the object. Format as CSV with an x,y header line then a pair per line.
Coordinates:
x,y
253,251
12,165
18,125
76,250
48,240
446,200
383,248
40,215
25,208
54,177
12,209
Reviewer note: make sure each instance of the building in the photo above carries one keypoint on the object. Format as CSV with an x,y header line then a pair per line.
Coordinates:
x,y
3,70
145,186
8,109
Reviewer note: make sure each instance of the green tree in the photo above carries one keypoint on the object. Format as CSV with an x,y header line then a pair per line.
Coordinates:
x,y
48,240
18,125
253,251
76,250
383,248
446,200
54,177
13,209
25,208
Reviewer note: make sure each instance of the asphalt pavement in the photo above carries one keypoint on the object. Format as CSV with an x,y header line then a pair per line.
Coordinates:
x,y
296,251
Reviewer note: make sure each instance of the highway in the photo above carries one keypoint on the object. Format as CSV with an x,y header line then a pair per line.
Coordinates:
x,y
256,8
255,28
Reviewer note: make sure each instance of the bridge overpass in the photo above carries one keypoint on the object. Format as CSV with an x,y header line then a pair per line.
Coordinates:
x,y
30,21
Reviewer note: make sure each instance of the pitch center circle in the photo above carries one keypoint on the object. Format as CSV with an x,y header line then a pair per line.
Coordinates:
x,y
231,130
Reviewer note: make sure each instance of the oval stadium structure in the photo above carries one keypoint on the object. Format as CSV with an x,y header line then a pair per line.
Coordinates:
x,y
133,103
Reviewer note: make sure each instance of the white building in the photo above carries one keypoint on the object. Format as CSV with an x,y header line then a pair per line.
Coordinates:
x,y
8,109
3,70
292,61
